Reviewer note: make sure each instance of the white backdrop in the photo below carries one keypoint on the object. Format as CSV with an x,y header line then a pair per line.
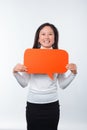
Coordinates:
x,y
19,20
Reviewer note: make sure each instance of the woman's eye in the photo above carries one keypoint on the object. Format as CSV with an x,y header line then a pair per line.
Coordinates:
x,y
43,34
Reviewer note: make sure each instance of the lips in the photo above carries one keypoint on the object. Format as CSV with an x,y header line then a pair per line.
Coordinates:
x,y
46,41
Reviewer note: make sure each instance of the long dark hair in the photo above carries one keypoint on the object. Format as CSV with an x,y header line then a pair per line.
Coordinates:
x,y
56,35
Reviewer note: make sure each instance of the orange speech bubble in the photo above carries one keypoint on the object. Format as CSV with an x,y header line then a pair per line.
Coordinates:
x,y
45,61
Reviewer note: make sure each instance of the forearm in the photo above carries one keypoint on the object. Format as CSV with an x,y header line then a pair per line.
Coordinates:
x,y
22,78
65,81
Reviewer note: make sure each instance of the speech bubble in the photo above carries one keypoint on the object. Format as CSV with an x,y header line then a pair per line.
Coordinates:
x,y
46,61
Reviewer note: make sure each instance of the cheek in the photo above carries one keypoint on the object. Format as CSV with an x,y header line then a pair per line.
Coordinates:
x,y
40,39
53,40
52,37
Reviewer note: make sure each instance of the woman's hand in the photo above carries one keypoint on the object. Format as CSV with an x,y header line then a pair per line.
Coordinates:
x,y
19,68
72,67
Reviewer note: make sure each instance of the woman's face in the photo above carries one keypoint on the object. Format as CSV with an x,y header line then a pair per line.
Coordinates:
x,y
46,37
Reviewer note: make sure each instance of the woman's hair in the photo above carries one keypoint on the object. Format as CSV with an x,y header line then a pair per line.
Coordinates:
x,y
56,35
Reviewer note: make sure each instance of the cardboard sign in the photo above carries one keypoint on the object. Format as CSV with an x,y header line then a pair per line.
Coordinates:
x,y
45,61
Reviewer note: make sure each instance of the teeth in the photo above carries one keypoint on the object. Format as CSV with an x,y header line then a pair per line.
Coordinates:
x,y
47,42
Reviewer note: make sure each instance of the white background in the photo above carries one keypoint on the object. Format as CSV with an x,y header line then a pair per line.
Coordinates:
x,y
19,20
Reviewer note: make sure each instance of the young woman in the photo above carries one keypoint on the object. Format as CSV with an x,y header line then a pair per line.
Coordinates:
x,y
43,109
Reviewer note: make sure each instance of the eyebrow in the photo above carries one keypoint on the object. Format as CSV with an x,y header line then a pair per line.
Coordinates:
x,y
48,32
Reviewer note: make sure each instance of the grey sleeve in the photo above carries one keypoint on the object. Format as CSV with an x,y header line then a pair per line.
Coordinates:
x,y
64,80
22,78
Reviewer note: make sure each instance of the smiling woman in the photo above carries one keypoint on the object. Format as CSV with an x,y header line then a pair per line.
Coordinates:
x,y
43,109
46,37
18,21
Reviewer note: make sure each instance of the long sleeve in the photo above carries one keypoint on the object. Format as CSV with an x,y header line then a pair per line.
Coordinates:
x,y
64,80
22,78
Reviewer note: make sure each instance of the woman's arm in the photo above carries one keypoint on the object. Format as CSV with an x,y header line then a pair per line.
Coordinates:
x,y
64,80
19,71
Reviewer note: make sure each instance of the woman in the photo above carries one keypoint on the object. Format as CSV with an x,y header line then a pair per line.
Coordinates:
x,y
43,110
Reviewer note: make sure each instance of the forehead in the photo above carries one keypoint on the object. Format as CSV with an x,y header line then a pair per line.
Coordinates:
x,y
46,28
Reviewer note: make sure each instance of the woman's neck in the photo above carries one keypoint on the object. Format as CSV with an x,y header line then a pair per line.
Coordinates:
x,y
45,47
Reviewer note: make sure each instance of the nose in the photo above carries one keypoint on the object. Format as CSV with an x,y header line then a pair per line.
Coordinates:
x,y
46,36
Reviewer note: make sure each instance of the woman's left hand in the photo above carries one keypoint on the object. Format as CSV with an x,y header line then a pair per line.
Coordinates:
x,y
72,67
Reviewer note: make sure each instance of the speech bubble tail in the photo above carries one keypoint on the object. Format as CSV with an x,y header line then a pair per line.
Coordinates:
x,y
51,76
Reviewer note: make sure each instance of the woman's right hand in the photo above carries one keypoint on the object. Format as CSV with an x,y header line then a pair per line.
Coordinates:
x,y
19,68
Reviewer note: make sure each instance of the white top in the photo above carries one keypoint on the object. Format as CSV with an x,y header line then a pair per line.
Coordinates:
x,y
42,89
